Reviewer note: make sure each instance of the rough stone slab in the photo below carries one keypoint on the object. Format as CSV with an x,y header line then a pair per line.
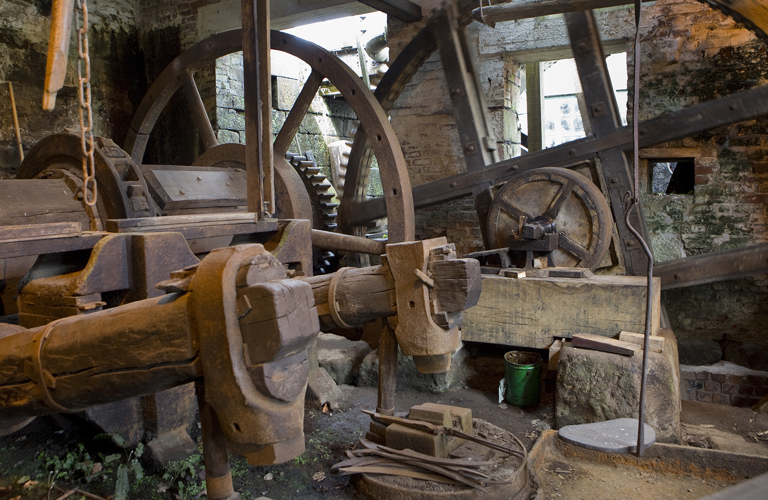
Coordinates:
x,y
613,436
530,312
595,386
322,389
409,376
171,446
341,357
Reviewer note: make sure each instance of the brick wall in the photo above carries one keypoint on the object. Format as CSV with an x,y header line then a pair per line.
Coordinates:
x,y
329,119
690,54
724,383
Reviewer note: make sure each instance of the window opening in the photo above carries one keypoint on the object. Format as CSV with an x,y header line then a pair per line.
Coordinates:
x,y
672,176
562,116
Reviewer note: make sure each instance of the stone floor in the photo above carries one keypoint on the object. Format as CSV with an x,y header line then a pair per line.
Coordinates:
x,y
33,451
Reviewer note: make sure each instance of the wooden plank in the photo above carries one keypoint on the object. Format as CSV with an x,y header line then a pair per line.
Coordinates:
x,y
554,354
604,344
33,201
53,245
655,342
712,267
524,9
30,232
195,226
404,10
531,312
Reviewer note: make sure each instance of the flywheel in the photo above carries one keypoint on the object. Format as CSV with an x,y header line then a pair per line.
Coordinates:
x,y
578,209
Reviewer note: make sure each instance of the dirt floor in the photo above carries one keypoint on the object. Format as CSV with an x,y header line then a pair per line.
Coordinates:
x,y
56,449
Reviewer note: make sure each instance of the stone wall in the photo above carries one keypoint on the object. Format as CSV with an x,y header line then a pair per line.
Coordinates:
x,y
117,78
690,54
329,119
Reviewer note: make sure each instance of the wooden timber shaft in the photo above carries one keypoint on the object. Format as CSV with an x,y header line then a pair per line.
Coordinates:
x,y
127,351
151,345
363,294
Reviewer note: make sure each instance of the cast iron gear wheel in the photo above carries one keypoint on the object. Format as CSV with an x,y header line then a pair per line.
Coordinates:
x,y
322,195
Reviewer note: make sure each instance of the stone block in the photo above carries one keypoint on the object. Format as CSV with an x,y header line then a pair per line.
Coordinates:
x,y
171,446
401,437
409,376
122,418
703,396
595,386
322,389
341,357
712,386
530,312
170,409
721,399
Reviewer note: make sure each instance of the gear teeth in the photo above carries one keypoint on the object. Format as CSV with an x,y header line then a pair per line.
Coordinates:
x,y
321,194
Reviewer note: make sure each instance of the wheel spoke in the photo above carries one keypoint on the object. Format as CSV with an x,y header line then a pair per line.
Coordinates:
x,y
199,115
512,209
572,248
559,200
296,116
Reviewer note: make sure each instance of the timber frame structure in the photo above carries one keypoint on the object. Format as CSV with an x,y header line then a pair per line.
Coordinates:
x,y
128,250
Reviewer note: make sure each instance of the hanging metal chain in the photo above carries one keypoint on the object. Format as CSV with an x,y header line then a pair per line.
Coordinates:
x,y
86,111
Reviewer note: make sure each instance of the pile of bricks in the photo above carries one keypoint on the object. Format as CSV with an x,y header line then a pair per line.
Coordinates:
x,y
723,383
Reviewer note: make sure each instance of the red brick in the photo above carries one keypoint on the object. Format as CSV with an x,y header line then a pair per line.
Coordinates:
x,y
712,386
755,198
700,180
760,168
737,379
701,170
702,375
719,377
757,380
730,388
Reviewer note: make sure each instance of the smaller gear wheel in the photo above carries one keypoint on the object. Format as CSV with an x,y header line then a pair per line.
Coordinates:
x,y
324,205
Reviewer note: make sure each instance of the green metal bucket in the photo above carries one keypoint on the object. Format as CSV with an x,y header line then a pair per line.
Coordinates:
x,y
522,372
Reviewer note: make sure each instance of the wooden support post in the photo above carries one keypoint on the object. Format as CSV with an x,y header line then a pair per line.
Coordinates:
x,y
387,370
265,103
605,120
218,476
252,83
535,91
477,140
